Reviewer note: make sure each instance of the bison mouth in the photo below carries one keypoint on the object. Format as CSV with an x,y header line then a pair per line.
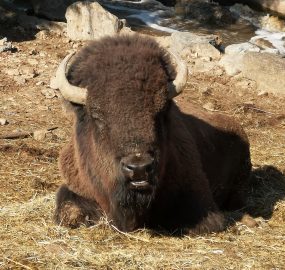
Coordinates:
x,y
141,185
144,182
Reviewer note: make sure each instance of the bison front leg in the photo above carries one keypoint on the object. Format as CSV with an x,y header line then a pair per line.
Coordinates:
x,y
73,210
204,215
213,222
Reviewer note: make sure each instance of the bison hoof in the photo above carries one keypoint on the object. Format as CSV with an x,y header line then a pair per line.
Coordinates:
x,y
214,222
71,215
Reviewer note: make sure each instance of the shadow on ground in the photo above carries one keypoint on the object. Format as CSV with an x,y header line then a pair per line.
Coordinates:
x,y
267,187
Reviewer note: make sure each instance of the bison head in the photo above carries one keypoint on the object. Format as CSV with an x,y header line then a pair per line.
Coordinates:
x,y
124,87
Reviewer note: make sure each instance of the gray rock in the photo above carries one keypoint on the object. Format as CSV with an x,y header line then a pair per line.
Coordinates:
x,y
28,72
48,93
43,34
263,43
51,9
12,72
5,45
33,62
270,50
232,63
268,70
89,21
218,71
241,48
40,83
245,84
209,106
269,44
203,66
40,135
3,122
188,44
206,91
3,41
20,80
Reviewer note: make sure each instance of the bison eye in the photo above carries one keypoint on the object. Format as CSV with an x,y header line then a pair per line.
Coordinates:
x,y
98,119
95,115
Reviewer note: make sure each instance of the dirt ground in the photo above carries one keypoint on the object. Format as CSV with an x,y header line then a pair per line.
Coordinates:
x,y
29,176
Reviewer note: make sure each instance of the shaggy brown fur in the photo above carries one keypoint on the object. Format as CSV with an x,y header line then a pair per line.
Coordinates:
x,y
202,160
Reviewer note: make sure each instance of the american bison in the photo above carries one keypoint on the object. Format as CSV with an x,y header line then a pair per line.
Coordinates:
x,y
134,155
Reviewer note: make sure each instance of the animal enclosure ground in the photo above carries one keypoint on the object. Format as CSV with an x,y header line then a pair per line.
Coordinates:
x,y
29,176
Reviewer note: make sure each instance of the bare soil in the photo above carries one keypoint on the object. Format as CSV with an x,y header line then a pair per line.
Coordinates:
x,y
29,176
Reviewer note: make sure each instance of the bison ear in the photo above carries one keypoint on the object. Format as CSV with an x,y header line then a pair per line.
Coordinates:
x,y
71,109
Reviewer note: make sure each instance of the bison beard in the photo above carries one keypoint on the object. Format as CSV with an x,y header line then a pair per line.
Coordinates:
x,y
131,208
204,159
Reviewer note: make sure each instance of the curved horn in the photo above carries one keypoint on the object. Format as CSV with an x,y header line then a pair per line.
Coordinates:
x,y
69,92
177,86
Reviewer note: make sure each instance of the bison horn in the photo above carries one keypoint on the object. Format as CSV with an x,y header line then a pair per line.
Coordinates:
x,y
69,92
177,86
78,95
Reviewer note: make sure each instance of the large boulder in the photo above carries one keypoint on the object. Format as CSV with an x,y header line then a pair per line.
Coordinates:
x,y
232,63
51,9
241,48
188,44
277,6
90,21
232,60
268,70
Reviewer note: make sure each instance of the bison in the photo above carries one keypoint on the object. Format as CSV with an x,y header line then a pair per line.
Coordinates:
x,y
134,156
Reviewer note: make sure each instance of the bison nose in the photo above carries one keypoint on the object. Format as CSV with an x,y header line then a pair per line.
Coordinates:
x,y
137,166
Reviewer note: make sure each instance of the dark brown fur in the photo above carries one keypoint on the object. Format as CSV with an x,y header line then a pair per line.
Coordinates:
x,y
202,160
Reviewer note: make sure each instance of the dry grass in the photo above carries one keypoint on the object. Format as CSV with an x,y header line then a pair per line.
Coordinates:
x,y
31,241
29,177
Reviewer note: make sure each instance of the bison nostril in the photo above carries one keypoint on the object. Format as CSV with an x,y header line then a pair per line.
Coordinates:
x,y
149,168
129,167
137,167
127,170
